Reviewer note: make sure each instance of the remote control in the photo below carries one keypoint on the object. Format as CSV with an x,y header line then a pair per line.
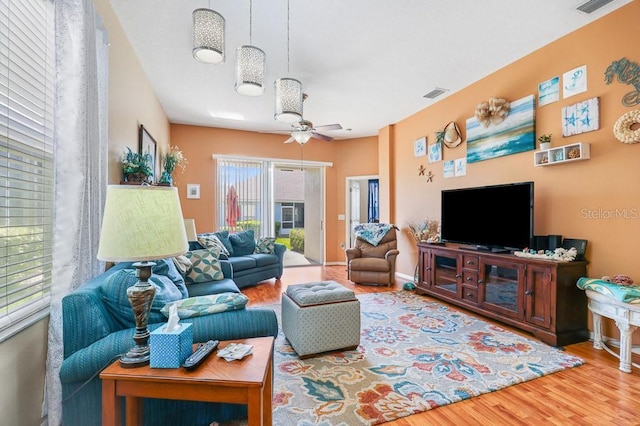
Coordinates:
x,y
200,354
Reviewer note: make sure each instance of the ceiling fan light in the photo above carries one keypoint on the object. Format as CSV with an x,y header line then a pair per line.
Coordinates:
x,y
250,65
288,106
301,136
208,36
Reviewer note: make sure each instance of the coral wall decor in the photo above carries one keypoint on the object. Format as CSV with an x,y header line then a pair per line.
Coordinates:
x,y
515,134
581,117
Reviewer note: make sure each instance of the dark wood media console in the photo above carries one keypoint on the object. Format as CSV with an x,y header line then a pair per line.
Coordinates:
x,y
534,295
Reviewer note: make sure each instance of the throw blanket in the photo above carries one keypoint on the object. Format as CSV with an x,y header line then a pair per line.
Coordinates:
x,y
372,232
622,293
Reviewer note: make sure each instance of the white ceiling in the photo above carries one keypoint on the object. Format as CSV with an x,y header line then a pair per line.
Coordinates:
x,y
364,64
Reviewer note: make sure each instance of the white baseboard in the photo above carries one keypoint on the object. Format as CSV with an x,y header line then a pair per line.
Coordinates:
x,y
404,276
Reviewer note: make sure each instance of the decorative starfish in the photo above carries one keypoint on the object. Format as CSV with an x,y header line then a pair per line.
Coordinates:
x,y
430,176
421,170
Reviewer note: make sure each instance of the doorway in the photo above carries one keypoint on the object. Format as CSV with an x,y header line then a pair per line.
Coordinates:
x,y
298,196
362,203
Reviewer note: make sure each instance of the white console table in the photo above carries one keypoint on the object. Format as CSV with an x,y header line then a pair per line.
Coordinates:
x,y
627,318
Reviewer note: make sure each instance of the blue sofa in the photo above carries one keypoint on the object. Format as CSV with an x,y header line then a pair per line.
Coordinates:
x,y
96,331
249,267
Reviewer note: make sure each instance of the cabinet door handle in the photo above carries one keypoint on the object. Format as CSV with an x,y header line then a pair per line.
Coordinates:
x,y
428,269
529,293
469,295
458,275
480,282
469,262
469,278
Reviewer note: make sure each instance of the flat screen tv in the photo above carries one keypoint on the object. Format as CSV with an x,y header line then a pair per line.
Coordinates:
x,y
497,217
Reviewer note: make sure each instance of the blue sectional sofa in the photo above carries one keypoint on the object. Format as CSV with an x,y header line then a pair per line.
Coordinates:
x,y
252,260
98,327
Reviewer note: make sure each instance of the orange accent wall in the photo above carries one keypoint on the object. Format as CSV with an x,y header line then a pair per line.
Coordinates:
x,y
199,144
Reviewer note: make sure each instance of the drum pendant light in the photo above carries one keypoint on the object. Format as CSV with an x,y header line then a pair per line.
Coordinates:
x,y
288,100
250,66
208,36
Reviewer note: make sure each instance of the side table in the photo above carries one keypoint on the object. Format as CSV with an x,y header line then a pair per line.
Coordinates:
x,y
247,381
627,318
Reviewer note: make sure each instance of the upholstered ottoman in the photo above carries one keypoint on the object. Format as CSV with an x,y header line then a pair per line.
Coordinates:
x,y
320,317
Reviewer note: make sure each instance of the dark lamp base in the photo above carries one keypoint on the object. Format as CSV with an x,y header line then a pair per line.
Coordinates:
x,y
140,296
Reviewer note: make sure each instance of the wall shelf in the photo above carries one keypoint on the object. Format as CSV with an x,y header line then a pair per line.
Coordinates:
x,y
562,154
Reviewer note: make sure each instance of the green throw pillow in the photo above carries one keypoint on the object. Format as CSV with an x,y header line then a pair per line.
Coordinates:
x,y
265,245
211,240
205,305
205,266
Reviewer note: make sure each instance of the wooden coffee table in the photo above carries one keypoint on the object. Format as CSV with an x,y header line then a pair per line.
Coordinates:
x,y
246,381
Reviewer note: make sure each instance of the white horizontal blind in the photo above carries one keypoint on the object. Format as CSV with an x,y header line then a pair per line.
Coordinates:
x,y
27,61
250,180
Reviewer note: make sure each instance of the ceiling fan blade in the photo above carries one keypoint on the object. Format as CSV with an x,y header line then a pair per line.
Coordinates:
x,y
329,127
291,139
321,137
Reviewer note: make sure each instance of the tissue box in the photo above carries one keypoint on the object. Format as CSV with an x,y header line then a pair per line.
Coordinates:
x,y
169,349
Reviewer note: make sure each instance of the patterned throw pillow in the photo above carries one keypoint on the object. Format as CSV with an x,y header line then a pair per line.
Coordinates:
x,y
205,266
265,245
210,240
183,264
205,305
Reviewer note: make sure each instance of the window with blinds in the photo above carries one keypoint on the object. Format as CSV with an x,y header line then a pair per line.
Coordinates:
x,y
243,200
27,72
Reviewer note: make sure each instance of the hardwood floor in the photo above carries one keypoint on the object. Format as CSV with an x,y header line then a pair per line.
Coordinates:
x,y
596,393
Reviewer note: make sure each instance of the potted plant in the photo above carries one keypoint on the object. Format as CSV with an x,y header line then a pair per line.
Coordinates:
x,y
136,167
170,162
545,141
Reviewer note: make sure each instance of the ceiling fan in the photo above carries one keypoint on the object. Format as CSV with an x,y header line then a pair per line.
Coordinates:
x,y
304,130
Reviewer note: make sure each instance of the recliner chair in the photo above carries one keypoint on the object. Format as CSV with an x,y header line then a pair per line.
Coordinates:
x,y
373,264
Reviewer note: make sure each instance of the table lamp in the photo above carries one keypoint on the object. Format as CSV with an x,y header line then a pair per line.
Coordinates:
x,y
141,224
190,228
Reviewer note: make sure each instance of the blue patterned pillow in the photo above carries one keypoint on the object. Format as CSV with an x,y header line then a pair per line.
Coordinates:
x,y
205,266
265,245
204,305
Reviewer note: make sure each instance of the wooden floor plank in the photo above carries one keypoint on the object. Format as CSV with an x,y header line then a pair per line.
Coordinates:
x,y
596,393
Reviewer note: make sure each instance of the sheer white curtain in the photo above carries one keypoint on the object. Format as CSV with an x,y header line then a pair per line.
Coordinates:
x,y
81,155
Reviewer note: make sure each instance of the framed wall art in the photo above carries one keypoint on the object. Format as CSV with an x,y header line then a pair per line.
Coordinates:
x,y
193,191
581,117
147,145
420,147
513,135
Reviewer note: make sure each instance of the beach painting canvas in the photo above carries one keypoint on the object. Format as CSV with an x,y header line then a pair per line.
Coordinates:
x,y
515,134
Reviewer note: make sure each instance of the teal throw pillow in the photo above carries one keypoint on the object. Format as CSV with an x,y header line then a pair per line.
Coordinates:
x,y
114,294
243,242
205,305
211,240
265,245
223,236
205,266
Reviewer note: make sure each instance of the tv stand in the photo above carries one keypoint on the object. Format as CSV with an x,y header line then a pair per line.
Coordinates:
x,y
535,295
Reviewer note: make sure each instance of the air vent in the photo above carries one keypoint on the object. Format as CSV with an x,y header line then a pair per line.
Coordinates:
x,y
435,93
593,5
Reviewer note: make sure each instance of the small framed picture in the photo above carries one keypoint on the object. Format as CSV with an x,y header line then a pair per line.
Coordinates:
x,y
147,146
193,191
420,147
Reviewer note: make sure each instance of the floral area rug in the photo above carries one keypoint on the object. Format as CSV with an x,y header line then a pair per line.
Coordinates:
x,y
414,355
